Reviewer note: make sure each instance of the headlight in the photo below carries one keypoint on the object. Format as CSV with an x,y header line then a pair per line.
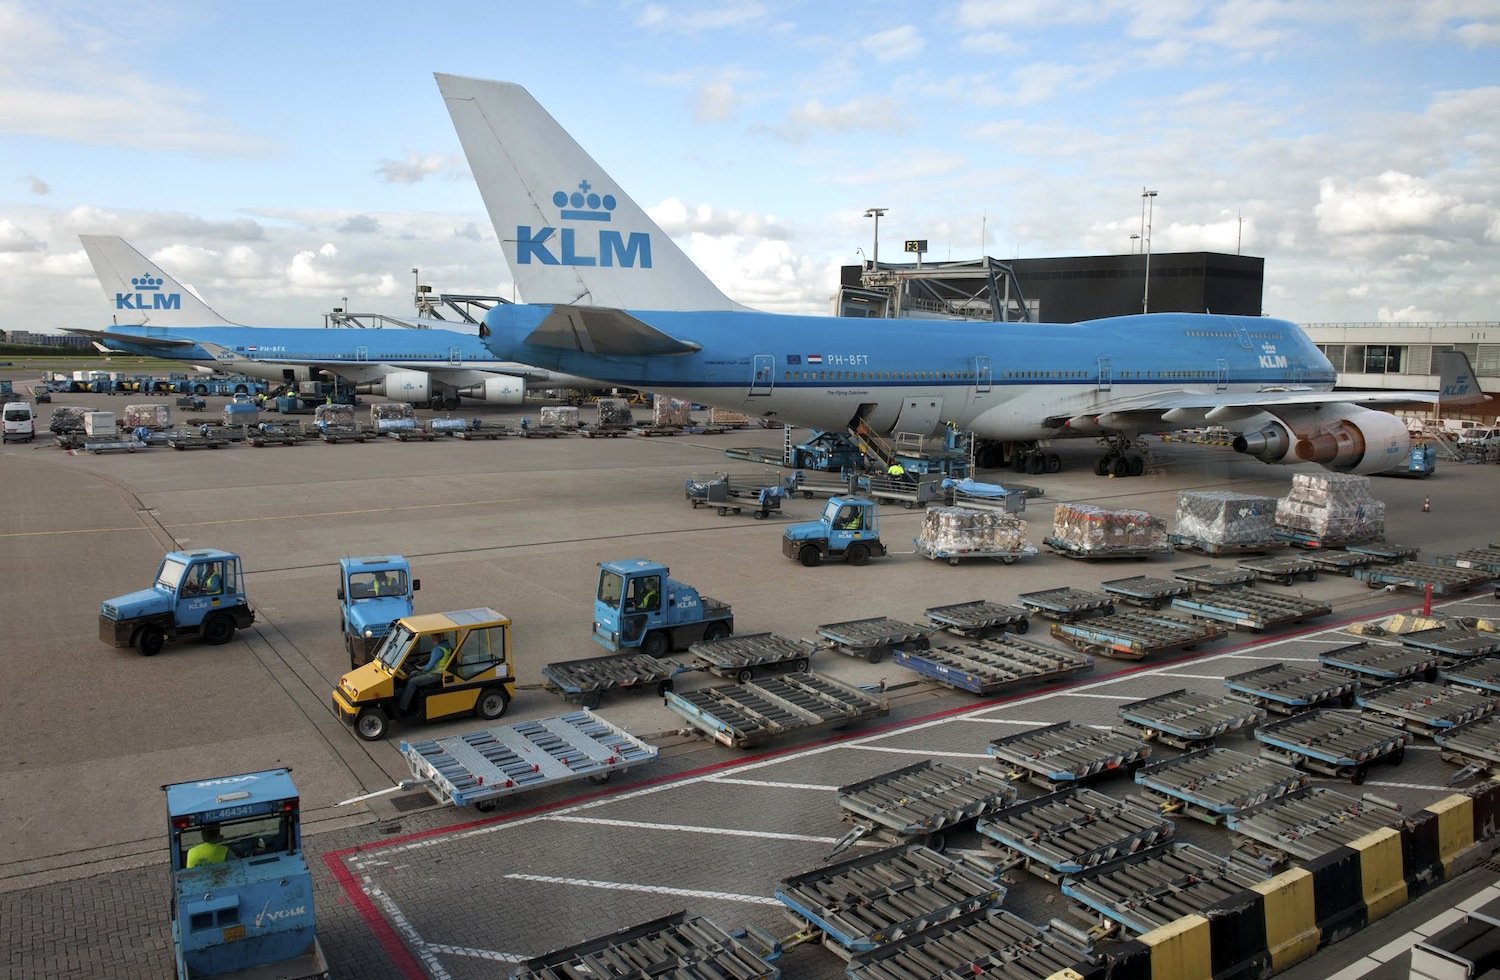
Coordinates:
x,y
369,633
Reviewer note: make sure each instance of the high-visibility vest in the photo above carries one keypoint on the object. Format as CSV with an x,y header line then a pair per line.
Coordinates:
x,y
206,853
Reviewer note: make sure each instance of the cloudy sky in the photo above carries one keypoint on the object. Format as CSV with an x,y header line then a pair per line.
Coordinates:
x,y
279,157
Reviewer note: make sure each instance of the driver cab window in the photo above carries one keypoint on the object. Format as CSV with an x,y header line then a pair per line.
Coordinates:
x,y
368,585
481,650
206,578
610,586
645,593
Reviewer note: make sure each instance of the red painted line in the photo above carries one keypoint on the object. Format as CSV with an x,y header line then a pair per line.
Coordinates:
x,y
400,957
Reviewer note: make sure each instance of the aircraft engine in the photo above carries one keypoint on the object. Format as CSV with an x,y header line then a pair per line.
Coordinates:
x,y
503,390
1360,441
1269,444
407,386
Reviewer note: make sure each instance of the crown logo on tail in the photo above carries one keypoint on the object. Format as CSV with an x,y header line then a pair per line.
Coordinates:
x,y
583,204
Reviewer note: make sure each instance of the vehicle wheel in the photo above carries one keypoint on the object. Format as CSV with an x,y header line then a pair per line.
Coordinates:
x,y
858,554
371,724
1156,604
908,504
486,806
1018,461
451,404
218,631
598,778
664,688
1035,464
655,644
937,841
715,632
150,640
1022,626
1394,759
1137,465
1312,575
591,699
1101,466
875,655
761,515
241,390
200,389
723,511
744,675
799,666
1053,463
1346,700
807,495
1358,776
810,556
1120,467
492,703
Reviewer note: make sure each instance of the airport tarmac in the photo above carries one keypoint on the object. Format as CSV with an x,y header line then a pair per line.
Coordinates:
x,y
408,889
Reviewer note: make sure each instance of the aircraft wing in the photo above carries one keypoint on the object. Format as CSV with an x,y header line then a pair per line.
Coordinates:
x,y
595,330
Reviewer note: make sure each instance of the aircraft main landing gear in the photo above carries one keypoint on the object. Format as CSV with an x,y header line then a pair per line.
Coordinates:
x,y
1034,461
1120,459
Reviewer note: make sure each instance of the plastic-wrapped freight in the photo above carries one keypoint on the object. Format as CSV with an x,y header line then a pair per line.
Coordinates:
x,y
337,415
723,416
1334,507
157,418
561,416
615,411
68,418
1224,517
671,411
393,416
1086,528
961,529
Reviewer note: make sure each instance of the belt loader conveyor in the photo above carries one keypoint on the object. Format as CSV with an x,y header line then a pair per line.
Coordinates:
x,y
1067,604
1335,743
480,767
986,667
678,946
1481,673
1189,719
870,901
1249,608
1287,689
873,638
1210,784
920,803
1135,635
744,715
1072,830
979,618
1282,570
1067,752
1419,575
1453,641
989,942
741,657
1428,709
1380,662
585,681
1158,886
1214,576
1475,747
1143,590
1303,825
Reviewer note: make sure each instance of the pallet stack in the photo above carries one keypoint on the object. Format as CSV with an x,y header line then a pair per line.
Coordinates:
x,y
1224,517
1332,506
615,412
157,418
667,412
561,416
1085,528
962,529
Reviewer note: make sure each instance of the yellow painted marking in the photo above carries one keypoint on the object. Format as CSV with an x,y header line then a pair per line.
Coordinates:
x,y
1380,868
1180,950
1291,920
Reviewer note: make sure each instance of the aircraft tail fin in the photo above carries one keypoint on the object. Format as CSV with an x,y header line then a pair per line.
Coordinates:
x,y
1457,384
570,235
142,292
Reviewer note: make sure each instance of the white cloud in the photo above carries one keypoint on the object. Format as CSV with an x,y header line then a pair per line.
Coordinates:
x,y
1391,202
896,44
717,101
14,238
1407,314
815,119
417,167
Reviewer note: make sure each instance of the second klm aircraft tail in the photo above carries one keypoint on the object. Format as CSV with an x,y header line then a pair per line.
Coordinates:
x,y
141,292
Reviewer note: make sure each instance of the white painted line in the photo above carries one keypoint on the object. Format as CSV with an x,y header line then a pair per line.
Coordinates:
x,y
622,886
769,784
1107,697
684,828
398,919
478,954
1251,656
1435,789
1480,898
926,752
1195,677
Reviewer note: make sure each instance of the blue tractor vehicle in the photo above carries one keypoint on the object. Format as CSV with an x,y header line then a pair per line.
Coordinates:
x,y
196,593
848,529
639,606
242,897
374,592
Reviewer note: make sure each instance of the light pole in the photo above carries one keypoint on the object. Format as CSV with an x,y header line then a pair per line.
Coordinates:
x,y
875,253
416,294
1150,201
1133,240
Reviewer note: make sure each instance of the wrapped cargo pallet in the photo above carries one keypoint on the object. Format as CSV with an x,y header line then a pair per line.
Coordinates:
x,y
615,411
1224,517
156,417
1084,528
341,416
393,416
671,411
560,416
1333,507
723,416
962,529
67,418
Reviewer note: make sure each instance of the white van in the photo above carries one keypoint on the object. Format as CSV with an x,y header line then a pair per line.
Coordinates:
x,y
20,422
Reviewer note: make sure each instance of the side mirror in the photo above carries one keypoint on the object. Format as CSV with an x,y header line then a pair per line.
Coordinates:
x,y
341,592
416,585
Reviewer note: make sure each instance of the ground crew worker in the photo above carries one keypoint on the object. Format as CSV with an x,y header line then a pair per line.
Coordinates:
x,y
382,583
210,851
430,673
895,471
649,596
851,518
212,581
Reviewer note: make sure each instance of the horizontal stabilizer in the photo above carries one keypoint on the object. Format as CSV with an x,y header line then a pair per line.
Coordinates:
x,y
605,331
113,341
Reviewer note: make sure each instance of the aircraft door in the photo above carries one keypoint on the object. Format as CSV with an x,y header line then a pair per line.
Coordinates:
x,y
921,414
361,354
981,375
1223,375
763,376
1105,381
455,356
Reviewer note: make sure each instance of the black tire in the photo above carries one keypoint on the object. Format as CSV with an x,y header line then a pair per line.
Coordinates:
x,y
241,390
492,703
936,841
1346,700
761,515
218,630
715,632
799,666
744,675
810,556
1035,464
150,640
1357,777
663,688
1394,759
1137,465
908,504
1312,575
723,511
1120,467
1018,461
807,495
371,724
486,806
858,554
1101,466
875,655
591,699
200,389
1052,463
1022,626
655,644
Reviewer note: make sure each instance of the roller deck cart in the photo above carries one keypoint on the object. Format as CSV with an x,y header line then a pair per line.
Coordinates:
x,y
1480,559
195,440
333,434
1007,556
1070,550
1001,945
1474,748
101,446
1251,609
1072,830
1210,784
417,434
1340,562
1280,570
1481,673
586,681
986,667
1384,551
478,768
873,638
479,429
1342,744
742,657
920,803
745,715
275,435
1143,590
1428,709
1067,604
979,618
1457,642
1287,689
677,945
1381,663
1443,579
1215,576
1135,635
1158,886
816,483
1184,543
876,899
1189,719
1067,753
1306,539
1304,825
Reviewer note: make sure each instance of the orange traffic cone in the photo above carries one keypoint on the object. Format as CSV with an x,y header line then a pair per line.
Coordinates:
x,y
1426,505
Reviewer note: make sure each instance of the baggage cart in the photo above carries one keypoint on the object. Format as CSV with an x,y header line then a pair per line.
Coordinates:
x,y
676,945
1280,570
335,433
1067,604
920,804
1458,642
1384,551
1210,784
1145,591
953,556
1136,635
1444,579
729,494
1072,830
870,901
1215,576
1067,753
1304,825
1158,886
478,429
992,940
101,446
1481,674
183,440
1474,748
817,483
1185,543
1427,709
1480,559
1288,689
979,618
987,667
586,681
873,638
745,715
910,494
478,768
1071,549
742,657
1342,744
1189,719
1251,609
1340,562
1381,663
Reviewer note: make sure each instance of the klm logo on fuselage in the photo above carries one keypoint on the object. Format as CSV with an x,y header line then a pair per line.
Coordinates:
x,y
603,247
1271,359
148,296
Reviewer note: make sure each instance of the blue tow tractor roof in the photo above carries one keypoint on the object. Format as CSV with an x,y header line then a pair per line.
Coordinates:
x,y
230,797
631,566
375,562
204,554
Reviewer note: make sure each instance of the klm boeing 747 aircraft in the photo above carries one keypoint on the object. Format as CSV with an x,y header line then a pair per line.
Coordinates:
x,y
433,365
610,296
